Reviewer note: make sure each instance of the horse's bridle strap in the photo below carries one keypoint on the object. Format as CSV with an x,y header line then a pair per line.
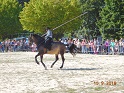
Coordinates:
x,y
40,44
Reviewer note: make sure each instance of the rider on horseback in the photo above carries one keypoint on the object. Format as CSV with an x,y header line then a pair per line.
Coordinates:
x,y
48,38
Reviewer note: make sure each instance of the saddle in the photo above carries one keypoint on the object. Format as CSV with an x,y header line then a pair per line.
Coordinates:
x,y
48,44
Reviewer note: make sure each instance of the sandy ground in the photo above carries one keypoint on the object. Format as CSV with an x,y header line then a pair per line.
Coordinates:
x,y
84,73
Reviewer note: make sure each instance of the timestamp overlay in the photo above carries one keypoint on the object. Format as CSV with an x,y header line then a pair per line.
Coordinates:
x,y
84,73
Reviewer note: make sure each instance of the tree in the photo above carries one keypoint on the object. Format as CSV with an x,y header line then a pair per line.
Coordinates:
x,y
93,7
9,20
22,1
111,22
39,14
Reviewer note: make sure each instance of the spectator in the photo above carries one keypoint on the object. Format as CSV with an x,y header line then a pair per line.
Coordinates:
x,y
97,47
116,47
70,41
15,45
112,46
107,46
33,47
7,45
83,44
65,42
121,46
78,45
1,46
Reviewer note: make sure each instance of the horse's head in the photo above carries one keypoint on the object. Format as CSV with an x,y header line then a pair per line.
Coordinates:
x,y
36,39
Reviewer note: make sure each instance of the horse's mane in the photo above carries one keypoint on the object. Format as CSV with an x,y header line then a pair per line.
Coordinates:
x,y
38,37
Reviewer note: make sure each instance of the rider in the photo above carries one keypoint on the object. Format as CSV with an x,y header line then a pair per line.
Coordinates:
x,y
48,38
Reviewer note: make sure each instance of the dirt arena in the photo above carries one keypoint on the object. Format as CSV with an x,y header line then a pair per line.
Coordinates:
x,y
84,73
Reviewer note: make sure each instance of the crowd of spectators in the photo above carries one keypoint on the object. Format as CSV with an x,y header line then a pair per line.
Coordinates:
x,y
94,46
84,46
16,45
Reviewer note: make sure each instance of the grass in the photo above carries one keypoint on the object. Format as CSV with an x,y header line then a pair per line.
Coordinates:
x,y
99,88
66,90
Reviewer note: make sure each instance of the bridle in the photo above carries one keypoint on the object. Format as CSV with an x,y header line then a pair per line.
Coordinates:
x,y
40,44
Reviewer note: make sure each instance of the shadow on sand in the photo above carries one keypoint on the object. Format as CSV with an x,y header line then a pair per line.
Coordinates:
x,y
81,68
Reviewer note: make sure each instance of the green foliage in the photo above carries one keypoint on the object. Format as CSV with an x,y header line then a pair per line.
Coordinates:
x,y
89,21
9,20
39,14
111,18
106,15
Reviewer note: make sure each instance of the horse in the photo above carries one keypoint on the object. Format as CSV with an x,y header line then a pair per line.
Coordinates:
x,y
56,48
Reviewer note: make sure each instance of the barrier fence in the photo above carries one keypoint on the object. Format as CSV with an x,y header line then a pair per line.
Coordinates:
x,y
99,49
102,49
89,48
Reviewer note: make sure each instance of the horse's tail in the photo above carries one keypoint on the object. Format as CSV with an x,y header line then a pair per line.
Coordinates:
x,y
73,49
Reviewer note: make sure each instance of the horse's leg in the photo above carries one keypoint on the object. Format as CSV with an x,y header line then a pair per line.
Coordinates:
x,y
63,59
41,57
36,58
55,60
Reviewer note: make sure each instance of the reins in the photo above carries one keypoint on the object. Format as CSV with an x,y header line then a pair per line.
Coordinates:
x,y
40,43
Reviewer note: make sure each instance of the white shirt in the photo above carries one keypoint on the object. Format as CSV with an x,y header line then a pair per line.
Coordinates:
x,y
49,33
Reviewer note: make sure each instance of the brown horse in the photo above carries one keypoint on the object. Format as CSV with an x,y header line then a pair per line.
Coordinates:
x,y
56,48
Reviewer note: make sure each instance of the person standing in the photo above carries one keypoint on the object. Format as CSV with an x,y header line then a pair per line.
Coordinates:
x,y
1,46
107,46
78,44
121,46
83,44
112,46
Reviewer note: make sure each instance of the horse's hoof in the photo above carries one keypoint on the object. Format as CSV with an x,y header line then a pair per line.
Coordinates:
x,y
38,63
45,68
61,67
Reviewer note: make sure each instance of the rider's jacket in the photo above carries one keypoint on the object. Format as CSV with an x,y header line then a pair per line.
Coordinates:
x,y
49,34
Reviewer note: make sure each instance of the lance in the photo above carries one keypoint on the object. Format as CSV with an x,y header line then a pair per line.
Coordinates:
x,y
70,20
